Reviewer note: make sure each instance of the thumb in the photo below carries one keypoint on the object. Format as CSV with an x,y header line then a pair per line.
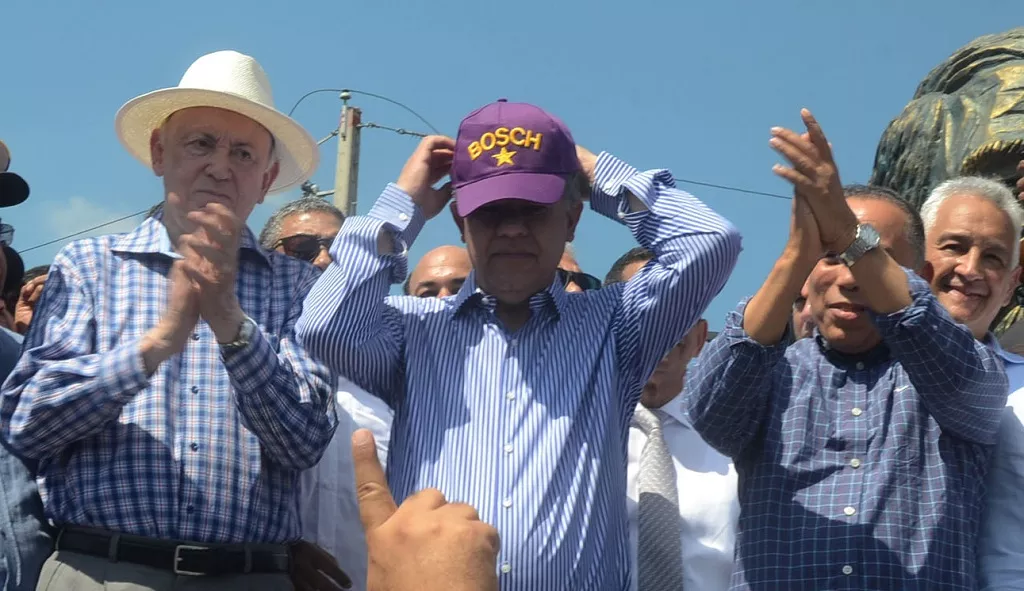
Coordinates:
x,y
376,505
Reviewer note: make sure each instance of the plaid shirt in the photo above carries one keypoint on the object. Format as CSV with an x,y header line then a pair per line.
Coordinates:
x,y
209,448
856,472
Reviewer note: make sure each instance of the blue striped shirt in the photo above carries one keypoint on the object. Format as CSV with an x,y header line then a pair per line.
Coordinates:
x,y
209,448
530,428
856,471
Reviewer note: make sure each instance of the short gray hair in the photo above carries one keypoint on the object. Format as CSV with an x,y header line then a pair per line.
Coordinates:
x,y
994,191
272,231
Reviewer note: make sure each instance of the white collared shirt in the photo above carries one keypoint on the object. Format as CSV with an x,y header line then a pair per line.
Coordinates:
x,y
330,512
1001,543
708,502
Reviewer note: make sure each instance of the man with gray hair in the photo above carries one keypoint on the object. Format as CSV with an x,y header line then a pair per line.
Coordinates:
x,y
972,227
304,229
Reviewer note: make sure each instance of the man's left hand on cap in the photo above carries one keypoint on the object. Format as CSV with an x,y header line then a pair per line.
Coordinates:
x,y
431,162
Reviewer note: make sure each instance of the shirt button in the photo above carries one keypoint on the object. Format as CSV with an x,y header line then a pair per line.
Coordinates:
x,y
508,448
403,216
513,342
856,411
859,366
511,395
506,503
194,446
847,570
849,511
195,336
506,568
621,215
855,463
189,509
195,389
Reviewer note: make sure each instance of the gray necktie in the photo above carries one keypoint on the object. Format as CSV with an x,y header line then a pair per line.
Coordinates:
x,y
659,528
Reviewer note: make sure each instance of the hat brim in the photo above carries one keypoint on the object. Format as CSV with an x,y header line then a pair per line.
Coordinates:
x,y
13,189
296,150
545,189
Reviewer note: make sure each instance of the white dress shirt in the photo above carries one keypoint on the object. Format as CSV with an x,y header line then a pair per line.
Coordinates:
x,y
1001,543
330,512
708,502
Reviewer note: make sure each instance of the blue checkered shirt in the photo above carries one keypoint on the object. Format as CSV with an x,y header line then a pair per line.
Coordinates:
x,y
209,448
856,471
529,427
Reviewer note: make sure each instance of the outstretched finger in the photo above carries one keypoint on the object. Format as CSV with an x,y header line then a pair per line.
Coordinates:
x,y
800,160
801,184
376,505
817,135
801,142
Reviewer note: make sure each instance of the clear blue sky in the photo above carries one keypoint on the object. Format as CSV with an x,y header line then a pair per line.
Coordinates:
x,y
691,86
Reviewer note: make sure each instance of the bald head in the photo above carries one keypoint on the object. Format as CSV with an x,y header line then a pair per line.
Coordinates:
x,y
440,273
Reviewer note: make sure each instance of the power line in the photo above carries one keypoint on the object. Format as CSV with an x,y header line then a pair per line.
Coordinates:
x,y
85,231
734,189
369,94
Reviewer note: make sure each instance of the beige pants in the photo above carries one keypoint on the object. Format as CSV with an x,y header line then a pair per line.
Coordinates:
x,y
71,571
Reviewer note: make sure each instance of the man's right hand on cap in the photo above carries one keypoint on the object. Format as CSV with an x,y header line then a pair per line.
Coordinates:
x,y
431,162
427,544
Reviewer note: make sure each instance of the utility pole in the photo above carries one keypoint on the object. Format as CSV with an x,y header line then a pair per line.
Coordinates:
x,y
346,174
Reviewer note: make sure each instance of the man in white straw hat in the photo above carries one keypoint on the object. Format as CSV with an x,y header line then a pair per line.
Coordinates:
x,y
161,388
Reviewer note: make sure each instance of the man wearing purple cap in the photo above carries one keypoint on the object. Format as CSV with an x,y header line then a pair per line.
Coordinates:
x,y
513,396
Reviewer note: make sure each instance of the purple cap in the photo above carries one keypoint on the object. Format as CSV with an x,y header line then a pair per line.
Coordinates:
x,y
511,151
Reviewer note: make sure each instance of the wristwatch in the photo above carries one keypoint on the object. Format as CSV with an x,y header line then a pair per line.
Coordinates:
x,y
246,330
867,240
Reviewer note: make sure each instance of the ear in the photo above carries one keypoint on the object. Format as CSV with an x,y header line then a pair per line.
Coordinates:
x,y
268,179
156,152
927,272
459,221
572,219
1014,282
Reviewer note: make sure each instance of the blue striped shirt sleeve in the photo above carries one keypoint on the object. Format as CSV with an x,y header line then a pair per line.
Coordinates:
x,y
727,394
960,380
284,396
694,249
61,390
347,322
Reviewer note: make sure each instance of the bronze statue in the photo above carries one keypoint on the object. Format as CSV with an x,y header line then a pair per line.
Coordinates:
x,y
966,118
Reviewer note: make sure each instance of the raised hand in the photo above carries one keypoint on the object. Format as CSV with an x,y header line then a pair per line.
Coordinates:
x,y
814,176
431,161
211,261
171,333
427,544
27,301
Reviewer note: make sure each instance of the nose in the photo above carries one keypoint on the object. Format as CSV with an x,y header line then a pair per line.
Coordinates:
x,y
512,227
969,265
323,259
219,164
844,278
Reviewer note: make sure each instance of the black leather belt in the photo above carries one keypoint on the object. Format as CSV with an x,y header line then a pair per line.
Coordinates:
x,y
180,557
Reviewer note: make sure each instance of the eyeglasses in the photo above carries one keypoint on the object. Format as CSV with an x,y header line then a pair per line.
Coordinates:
x,y
586,281
304,246
6,234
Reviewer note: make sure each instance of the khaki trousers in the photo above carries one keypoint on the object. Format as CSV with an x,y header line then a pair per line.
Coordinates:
x,y
71,571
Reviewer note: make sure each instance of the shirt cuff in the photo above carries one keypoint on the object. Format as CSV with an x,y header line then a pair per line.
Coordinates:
x,y
735,335
396,208
251,366
124,371
922,301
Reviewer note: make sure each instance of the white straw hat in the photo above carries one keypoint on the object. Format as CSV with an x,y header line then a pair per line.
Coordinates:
x,y
226,80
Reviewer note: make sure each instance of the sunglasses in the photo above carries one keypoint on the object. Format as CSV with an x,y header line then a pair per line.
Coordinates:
x,y
6,234
585,281
304,246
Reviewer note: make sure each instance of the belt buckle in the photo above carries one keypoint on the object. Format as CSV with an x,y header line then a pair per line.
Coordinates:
x,y
177,560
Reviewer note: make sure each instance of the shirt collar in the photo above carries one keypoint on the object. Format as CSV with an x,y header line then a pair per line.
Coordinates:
x,y
551,298
878,354
992,342
151,237
674,408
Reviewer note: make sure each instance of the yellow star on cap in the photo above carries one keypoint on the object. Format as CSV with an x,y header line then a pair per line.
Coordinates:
x,y
504,156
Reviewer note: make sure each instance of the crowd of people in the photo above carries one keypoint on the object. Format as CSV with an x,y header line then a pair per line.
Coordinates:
x,y
191,406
